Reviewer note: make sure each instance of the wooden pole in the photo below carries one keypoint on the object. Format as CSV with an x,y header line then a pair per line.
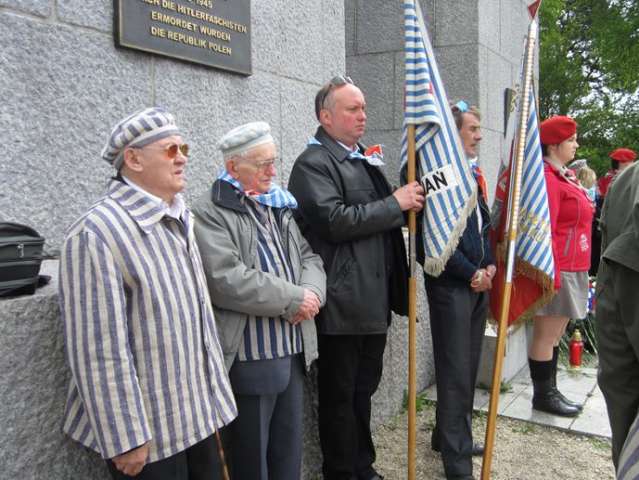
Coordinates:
x,y
514,197
220,452
412,315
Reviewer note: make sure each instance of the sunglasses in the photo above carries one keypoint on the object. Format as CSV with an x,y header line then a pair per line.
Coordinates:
x,y
172,149
337,81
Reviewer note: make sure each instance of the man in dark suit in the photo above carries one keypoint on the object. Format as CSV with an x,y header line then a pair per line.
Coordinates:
x,y
352,219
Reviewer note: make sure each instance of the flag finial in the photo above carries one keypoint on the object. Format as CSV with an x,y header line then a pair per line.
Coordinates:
x,y
533,8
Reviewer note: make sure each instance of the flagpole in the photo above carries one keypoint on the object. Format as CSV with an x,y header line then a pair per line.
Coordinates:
x,y
412,313
513,223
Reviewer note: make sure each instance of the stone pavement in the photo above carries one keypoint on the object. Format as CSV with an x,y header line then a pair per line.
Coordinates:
x,y
578,385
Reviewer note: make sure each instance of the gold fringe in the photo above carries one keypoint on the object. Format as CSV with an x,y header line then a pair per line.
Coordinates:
x,y
435,266
526,269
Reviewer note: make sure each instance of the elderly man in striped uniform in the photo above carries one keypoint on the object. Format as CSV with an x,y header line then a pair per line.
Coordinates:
x,y
148,387
266,285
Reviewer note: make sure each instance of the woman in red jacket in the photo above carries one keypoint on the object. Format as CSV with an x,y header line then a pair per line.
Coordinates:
x,y
571,213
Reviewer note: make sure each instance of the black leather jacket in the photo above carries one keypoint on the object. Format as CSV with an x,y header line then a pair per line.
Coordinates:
x,y
357,233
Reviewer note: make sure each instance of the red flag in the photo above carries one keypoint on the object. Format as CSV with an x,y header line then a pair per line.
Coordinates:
x,y
530,288
533,7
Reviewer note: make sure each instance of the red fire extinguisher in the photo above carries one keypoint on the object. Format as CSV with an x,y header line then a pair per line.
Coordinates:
x,y
576,347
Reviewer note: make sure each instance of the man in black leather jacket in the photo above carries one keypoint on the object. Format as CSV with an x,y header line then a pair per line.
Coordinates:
x,y
353,220
458,303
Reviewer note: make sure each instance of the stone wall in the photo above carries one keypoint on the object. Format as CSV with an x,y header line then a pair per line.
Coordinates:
x,y
64,85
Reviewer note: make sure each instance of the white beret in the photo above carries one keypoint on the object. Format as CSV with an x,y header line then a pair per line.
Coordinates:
x,y
137,130
578,164
245,137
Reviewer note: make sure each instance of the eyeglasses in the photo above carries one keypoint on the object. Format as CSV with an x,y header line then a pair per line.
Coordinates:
x,y
172,149
337,81
264,164
461,106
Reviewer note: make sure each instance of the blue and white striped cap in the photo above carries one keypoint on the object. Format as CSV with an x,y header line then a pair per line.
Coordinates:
x,y
137,130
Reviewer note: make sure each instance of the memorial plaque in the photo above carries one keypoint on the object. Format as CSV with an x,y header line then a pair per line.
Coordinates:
x,y
216,33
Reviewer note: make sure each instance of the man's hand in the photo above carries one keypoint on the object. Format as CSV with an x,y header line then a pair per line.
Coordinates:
x,y
410,197
491,270
308,309
482,280
132,462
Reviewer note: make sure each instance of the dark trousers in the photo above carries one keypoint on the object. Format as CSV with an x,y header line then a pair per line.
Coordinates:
x,y
458,320
266,437
350,369
198,462
618,341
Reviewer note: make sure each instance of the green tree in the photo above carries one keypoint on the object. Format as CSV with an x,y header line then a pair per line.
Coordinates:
x,y
589,69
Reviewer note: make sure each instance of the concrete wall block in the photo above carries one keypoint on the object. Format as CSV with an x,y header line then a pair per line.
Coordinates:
x,y
495,76
332,40
34,383
489,27
398,89
59,107
87,13
303,38
458,67
267,22
456,23
514,27
375,75
490,158
380,26
42,8
298,123
350,27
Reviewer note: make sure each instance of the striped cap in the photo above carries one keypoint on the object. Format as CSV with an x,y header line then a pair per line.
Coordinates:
x,y
137,130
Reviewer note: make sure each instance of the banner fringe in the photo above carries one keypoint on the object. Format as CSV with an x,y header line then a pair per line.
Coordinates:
x,y
435,266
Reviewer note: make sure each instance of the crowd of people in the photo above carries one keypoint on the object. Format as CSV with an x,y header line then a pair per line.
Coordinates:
x,y
183,324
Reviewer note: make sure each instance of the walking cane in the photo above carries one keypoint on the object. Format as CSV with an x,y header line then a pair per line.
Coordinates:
x,y
220,449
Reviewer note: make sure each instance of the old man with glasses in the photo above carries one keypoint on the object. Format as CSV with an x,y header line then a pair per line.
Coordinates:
x,y
148,387
267,286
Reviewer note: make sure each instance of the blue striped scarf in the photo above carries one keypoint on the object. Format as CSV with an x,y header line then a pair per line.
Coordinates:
x,y
276,197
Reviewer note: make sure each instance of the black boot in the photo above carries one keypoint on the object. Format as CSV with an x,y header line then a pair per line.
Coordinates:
x,y
546,399
553,378
545,396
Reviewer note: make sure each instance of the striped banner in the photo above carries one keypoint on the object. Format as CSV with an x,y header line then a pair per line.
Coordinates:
x,y
534,282
451,190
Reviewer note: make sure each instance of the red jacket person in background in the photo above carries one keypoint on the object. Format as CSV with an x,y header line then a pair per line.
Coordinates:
x,y
571,213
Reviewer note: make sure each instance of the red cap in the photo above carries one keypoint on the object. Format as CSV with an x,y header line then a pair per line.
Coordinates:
x,y
623,155
556,129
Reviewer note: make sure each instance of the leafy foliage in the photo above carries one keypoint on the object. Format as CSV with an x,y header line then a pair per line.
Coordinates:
x,y
589,69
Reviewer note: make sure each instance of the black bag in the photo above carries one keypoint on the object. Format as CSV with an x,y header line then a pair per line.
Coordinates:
x,y
20,259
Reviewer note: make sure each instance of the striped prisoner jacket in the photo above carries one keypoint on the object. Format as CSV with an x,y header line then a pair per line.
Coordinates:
x,y
140,334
